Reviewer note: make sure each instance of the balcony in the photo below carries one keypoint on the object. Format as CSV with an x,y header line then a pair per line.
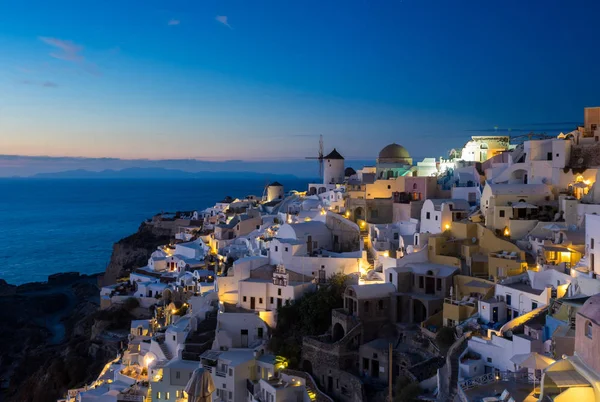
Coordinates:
x,y
221,373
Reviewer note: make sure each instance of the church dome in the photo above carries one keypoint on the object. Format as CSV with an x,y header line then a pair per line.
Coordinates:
x,y
394,151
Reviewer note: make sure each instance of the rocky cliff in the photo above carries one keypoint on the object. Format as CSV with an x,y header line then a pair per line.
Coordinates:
x,y
52,334
134,251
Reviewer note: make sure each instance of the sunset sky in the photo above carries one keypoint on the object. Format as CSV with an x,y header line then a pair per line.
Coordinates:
x,y
260,80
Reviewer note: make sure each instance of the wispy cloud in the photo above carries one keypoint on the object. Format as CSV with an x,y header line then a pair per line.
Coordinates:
x,y
223,20
173,21
45,84
68,50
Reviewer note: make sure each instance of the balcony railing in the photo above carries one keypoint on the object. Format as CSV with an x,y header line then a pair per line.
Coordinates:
x,y
221,373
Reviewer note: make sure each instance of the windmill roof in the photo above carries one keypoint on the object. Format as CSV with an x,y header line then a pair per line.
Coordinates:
x,y
333,155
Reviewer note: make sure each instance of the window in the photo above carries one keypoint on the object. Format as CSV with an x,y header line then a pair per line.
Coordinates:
x,y
178,394
230,372
366,305
174,339
489,359
438,284
592,243
271,300
421,282
230,395
380,304
178,375
260,333
257,227
428,215
588,329
534,305
260,300
158,395
390,276
549,156
389,187
436,217
276,248
286,249
501,213
278,292
244,299
167,396
508,299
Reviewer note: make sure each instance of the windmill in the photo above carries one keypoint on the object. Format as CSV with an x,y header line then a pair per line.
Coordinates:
x,y
320,157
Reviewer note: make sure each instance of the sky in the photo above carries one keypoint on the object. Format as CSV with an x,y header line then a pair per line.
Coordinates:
x,y
261,80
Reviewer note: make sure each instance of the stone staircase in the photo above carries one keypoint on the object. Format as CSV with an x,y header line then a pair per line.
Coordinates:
x,y
449,373
165,351
313,391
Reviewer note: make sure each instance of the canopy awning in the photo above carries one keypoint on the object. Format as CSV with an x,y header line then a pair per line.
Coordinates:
x,y
568,378
524,205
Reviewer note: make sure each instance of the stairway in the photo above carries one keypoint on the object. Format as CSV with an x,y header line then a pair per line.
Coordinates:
x,y
454,369
165,351
449,381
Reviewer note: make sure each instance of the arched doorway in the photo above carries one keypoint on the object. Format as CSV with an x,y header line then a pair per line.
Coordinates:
x,y
519,176
312,191
419,311
338,332
322,190
359,213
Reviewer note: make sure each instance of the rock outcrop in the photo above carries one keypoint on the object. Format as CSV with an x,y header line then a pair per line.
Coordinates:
x,y
134,251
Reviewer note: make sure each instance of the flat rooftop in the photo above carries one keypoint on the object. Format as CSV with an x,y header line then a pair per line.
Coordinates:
x,y
519,391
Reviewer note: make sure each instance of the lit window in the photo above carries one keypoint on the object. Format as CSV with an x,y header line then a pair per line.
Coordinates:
x,y
158,395
167,396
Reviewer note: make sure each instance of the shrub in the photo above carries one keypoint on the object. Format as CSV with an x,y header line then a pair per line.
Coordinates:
x,y
131,303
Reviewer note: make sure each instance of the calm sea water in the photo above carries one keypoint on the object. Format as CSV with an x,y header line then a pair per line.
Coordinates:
x,y
50,226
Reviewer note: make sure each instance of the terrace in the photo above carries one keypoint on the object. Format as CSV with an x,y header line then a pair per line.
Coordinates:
x,y
490,386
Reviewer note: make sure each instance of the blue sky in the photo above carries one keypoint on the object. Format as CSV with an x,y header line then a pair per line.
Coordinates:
x,y
259,80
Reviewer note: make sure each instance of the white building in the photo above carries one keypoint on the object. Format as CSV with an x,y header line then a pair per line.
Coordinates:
x,y
230,371
592,240
275,192
333,168
437,215
260,294
168,381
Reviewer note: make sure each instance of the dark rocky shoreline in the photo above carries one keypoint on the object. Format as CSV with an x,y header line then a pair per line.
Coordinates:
x,y
51,332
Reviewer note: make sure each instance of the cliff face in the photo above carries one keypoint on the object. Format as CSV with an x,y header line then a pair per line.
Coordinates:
x,y
134,251
55,339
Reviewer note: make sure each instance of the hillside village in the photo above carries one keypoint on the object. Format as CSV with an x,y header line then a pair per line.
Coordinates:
x,y
468,278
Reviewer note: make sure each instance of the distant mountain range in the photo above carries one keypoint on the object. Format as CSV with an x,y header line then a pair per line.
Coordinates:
x,y
159,173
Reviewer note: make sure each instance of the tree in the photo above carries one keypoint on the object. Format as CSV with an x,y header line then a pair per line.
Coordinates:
x,y
445,337
131,303
307,316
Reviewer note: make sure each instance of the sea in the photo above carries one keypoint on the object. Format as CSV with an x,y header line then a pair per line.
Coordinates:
x,y
61,225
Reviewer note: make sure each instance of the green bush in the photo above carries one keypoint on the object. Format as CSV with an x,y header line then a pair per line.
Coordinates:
x,y
307,316
131,304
